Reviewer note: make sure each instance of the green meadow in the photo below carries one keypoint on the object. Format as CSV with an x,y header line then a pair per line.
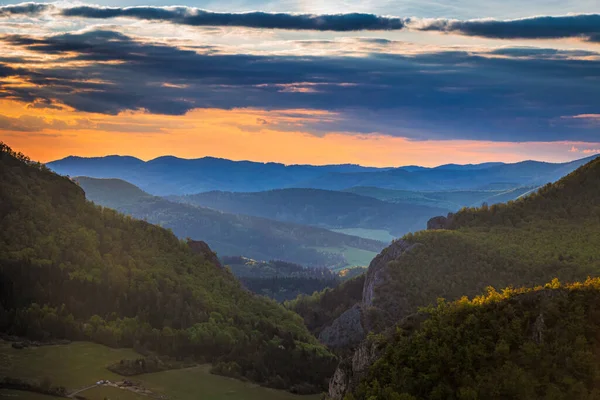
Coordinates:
x,y
81,364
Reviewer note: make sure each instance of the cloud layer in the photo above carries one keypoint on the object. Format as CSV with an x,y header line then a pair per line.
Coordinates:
x,y
436,95
582,26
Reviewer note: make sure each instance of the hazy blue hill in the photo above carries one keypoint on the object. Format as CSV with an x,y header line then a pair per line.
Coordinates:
x,y
451,200
324,208
112,193
230,234
469,166
526,173
171,175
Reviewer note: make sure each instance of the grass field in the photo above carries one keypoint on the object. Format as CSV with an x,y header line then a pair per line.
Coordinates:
x,y
354,257
375,234
81,364
18,395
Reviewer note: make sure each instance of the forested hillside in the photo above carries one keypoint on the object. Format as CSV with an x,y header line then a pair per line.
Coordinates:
x,y
231,234
278,279
482,347
71,269
321,308
324,208
539,343
553,233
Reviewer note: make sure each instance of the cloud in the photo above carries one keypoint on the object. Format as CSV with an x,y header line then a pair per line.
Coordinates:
x,y
257,19
30,123
436,95
585,26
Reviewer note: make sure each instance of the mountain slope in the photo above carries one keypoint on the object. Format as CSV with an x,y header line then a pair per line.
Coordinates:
x,y
229,234
70,269
551,234
324,208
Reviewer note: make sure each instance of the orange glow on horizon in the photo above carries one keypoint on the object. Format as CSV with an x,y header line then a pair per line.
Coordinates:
x,y
47,134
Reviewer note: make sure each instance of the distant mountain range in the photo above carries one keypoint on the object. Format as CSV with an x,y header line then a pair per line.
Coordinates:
x,y
234,234
175,176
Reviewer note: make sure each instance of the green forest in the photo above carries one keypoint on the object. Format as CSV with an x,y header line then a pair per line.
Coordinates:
x,y
280,280
539,343
71,269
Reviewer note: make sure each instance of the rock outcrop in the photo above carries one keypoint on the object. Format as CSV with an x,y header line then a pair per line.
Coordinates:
x,y
439,222
377,272
347,330
351,327
351,370
202,248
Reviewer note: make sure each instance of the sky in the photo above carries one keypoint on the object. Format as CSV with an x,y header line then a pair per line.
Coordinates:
x,y
375,82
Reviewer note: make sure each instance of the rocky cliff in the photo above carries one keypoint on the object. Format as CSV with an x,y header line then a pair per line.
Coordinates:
x,y
350,329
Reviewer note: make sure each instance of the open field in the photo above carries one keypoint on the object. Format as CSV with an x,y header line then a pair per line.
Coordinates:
x,y
19,395
81,364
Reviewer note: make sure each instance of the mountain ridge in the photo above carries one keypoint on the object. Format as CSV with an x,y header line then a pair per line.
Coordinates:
x,y
170,175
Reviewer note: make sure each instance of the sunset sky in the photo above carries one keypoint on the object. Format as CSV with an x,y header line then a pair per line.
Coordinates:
x,y
375,82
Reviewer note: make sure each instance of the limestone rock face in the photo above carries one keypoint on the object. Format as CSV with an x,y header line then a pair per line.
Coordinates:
x,y
351,328
377,272
346,330
351,370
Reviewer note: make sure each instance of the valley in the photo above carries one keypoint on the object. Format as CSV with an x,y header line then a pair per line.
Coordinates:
x,y
277,312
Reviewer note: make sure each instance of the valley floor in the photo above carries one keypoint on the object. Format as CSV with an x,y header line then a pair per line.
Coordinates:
x,y
81,364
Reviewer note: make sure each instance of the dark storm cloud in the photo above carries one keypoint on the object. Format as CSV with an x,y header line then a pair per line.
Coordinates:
x,y
198,17
585,26
433,95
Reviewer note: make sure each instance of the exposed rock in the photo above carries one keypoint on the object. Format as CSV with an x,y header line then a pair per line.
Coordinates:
x,y
538,329
350,371
346,330
377,272
200,247
352,326
439,222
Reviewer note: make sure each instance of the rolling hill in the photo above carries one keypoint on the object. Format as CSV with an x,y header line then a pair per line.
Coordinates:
x,y
323,208
233,234
451,200
175,176
71,269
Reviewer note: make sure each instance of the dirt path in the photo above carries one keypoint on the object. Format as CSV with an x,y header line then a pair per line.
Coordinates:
x,y
81,390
